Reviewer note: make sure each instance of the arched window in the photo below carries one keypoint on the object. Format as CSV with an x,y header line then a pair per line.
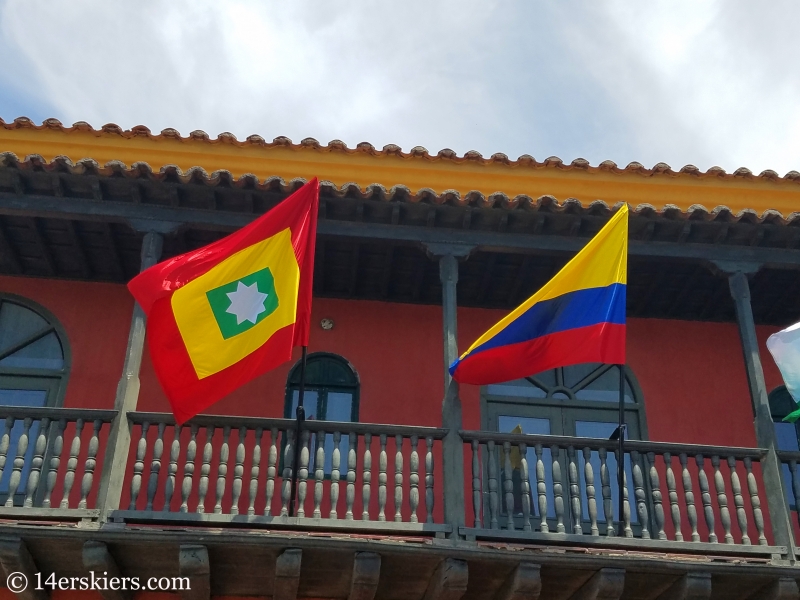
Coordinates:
x,y
34,358
34,365
331,394
579,400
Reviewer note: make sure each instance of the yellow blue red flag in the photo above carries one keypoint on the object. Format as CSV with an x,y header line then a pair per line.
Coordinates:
x,y
577,317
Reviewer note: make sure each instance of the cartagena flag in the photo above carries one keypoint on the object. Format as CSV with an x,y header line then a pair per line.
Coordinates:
x,y
219,316
577,317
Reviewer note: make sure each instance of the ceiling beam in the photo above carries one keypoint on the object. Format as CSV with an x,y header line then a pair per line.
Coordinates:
x,y
523,583
287,574
605,584
387,272
83,261
41,244
692,586
449,580
97,558
354,259
784,588
8,252
20,569
319,268
116,258
194,565
366,575
487,241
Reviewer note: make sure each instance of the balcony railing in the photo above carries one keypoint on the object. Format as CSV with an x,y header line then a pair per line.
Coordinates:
x,y
374,478
551,488
239,470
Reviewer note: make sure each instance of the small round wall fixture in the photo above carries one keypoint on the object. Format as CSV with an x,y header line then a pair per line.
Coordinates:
x,y
326,324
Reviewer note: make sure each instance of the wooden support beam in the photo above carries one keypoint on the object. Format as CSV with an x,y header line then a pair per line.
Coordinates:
x,y
692,586
486,279
97,558
449,581
524,583
779,510
41,244
606,584
647,232
780,589
8,252
688,288
287,574
722,234
116,259
193,564
352,286
419,279
83,262
685,232
15,559
466,223
319,268
523,275
489,241
366,575
653,290
431,219
789,292
387,272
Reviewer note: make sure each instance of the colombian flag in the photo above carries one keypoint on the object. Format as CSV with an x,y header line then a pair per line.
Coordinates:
x,y
219,316
577,317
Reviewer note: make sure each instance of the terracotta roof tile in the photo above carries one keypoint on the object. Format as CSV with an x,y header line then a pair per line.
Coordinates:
x,y
364,147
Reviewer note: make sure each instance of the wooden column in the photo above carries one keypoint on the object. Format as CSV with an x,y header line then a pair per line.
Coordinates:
x,y
119,438
452,447
765,429
448,256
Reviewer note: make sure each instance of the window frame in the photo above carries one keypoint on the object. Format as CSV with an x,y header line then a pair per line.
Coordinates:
x,y
55,380
323,390
52,381
569,405
569,410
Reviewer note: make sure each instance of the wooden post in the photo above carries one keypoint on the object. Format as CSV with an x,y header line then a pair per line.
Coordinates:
x,y
765,429
452,446
119,438
448,255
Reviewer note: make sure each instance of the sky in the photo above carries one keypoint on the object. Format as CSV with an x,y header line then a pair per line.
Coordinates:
x,y
697,82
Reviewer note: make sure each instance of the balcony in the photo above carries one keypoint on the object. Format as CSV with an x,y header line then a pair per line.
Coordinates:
x,y
223,479
236,471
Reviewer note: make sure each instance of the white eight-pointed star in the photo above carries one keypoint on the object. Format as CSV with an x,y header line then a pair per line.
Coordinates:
x,y
246,303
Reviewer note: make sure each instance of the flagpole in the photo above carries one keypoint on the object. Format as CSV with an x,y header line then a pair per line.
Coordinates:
x,y
301,416
621,459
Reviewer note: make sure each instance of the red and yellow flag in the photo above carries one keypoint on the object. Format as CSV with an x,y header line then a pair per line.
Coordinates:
x,y
220,316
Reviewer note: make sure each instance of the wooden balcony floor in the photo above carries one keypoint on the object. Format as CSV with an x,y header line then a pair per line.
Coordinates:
x,y
243,563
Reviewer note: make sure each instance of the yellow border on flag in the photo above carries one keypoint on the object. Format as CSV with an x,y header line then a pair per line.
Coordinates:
x,y
208,351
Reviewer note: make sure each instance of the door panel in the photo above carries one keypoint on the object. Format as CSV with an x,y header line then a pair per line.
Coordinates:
x,y
508,417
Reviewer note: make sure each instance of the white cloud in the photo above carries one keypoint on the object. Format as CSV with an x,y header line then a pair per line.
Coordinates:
x,y
694,81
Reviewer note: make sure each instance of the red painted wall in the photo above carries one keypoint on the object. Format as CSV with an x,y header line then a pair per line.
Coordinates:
x,y
691,373
97,318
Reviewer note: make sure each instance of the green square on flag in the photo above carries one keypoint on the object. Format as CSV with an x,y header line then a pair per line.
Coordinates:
x,y
242,304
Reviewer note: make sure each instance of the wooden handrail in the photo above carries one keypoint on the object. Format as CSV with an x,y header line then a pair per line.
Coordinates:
x,y
597,443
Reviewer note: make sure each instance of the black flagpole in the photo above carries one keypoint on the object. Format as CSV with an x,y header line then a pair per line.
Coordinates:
x,y
301,416
621,459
